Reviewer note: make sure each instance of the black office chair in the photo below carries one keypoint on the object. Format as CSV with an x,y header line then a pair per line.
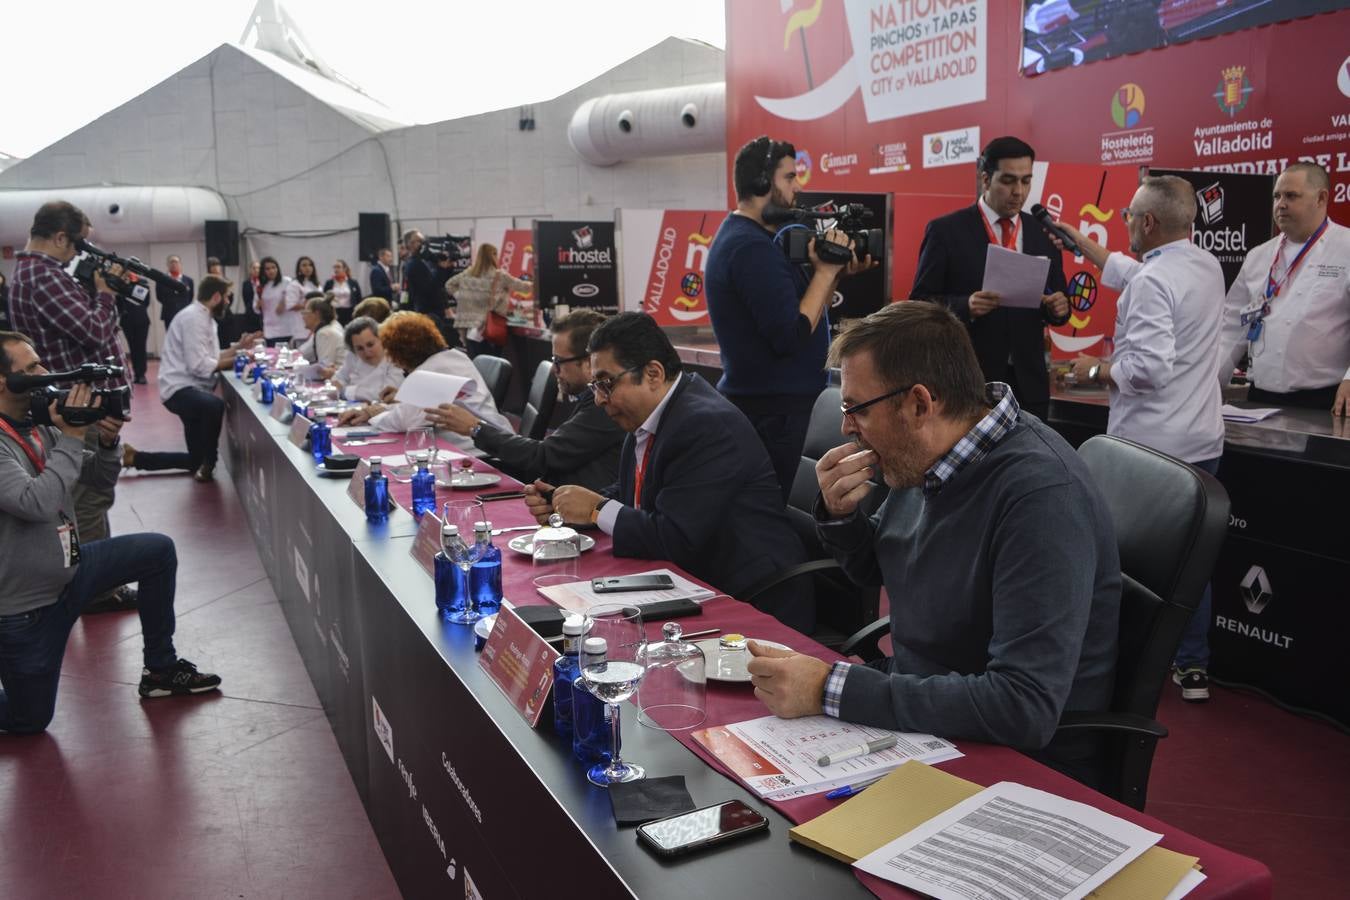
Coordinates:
x,y
1170,521
842,607
539,404
496,374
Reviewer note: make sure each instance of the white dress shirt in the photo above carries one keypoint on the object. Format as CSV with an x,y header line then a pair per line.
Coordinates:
x,y
288,323
190,353
1163,391
1305,341
991,219
402,416
326,346
362,381
645,432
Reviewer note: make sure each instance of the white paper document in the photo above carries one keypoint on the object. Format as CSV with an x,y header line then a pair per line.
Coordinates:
x,y
1235,414
792,748
579,597
431,389
1011,841
1189,882
1017,278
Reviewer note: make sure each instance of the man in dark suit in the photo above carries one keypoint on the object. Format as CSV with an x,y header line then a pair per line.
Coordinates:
x,y
382,278
1009,342
172,304
135,321
695,483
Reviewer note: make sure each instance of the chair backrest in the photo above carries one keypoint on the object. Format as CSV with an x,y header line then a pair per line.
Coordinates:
x,y
496,374
540,401
841,607
1170,520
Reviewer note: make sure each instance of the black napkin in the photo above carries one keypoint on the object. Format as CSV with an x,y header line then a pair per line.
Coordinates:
x,y
648,799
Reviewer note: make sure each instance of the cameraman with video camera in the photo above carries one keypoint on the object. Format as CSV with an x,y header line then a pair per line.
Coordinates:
x,y
426,280
50,571
70,326
769,316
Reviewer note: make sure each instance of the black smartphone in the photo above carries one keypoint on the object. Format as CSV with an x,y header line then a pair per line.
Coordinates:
x,y
616,584
701,828
500,495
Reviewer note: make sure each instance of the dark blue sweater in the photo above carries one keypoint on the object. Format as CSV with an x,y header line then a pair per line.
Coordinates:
x,y
767,346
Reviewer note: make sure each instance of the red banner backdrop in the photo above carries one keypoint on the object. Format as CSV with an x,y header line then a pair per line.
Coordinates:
x,y
517,257
899,95
675,293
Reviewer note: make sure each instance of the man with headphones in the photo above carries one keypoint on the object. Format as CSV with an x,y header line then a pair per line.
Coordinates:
x,y
769,315
1010,343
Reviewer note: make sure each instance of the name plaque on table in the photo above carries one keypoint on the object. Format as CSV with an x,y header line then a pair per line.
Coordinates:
x,y
427,543
520,662
356,488
281,408
300,431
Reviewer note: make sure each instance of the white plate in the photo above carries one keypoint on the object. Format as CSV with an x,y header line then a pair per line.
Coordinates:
x,y
731,665
334,473
479,479
525,543
483,627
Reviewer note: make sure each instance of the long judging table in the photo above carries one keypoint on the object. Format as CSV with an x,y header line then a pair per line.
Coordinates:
x,y
463,795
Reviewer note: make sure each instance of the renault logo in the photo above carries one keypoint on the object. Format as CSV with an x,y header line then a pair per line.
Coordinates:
x,y
1256,590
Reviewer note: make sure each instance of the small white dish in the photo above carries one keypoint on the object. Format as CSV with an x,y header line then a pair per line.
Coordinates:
x,y
525,543
483,627
729,665
477,480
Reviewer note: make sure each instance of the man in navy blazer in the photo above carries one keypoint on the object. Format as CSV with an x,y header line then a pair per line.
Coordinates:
x,y
382,278
695,483
1009,342
171,305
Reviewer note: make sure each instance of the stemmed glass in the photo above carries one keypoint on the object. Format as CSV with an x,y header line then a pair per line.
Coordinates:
x,y
614,678
464,549
417,443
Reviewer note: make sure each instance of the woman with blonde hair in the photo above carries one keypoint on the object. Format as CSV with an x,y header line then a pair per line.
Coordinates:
x,y
481,288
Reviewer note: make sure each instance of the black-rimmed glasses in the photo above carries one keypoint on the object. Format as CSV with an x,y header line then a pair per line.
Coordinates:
x,y
857,408
606,385
559,360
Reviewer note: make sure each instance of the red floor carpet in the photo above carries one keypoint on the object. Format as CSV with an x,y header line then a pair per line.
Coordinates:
x,y
244,794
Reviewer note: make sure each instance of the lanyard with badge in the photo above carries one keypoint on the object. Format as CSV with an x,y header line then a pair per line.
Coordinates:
x,y
69,537
1254,318
1011,242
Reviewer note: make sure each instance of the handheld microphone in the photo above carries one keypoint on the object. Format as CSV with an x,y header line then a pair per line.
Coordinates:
x,y
162,280
1042,215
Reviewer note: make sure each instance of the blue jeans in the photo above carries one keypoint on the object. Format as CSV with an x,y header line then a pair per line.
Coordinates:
x,y
201,413
1193,652
33,643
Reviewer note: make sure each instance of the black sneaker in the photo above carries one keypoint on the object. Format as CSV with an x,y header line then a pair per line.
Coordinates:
x,y
1194,684
120,600
180,678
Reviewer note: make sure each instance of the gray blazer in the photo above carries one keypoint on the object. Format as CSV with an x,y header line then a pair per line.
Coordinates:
x,y
583,450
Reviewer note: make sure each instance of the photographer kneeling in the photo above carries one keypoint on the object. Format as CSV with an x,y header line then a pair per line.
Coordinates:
x,y
48,575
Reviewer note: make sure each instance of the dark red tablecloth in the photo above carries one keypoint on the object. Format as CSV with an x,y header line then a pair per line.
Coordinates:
x,y
1230,875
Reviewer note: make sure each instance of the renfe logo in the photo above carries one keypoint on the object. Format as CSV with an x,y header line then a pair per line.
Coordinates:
x,y
383,730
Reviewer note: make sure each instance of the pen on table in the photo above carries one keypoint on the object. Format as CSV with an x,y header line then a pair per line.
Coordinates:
x,y
694,634
883,743
849,790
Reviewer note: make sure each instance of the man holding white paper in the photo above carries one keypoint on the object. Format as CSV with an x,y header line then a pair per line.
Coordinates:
x,y
1009,337
435,375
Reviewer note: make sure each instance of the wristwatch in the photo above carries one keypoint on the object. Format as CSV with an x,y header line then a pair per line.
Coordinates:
x,y
473,432
595,513
1092,373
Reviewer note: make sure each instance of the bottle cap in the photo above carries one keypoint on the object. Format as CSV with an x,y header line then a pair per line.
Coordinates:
x,y
596,646
482,526
574,625
376,460
450,530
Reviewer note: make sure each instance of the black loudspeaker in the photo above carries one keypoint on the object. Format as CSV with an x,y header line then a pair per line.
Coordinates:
x,y
374,234
222,240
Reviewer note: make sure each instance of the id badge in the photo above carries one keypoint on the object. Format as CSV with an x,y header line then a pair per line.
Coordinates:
x,y
70,542
1254,331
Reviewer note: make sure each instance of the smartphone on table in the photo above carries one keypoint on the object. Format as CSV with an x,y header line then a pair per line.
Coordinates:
x,y
616,584
701,828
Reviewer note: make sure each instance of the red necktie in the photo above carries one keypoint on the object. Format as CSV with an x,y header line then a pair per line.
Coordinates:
x,y
1005,226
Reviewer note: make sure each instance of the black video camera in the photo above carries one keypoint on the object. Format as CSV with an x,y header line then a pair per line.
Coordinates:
x,y
132,283
448,248
850,218
42,391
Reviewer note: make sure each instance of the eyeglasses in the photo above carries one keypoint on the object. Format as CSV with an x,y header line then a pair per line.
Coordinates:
x,y
559,360
606,385
857,408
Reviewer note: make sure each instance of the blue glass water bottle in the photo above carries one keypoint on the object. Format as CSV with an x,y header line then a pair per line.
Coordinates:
x,y
240,361
320,440
452,588
377,492
268,391
485,578
566,671
590,717
259,370
423,489
282,385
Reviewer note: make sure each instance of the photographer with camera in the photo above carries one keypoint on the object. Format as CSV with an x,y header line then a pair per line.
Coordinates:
x,y
769,316
68,327
425,275
50,571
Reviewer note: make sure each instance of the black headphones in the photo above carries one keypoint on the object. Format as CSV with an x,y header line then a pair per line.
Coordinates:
x,y
763,182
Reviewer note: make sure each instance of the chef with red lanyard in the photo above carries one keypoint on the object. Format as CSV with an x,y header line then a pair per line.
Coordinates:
x,y
1289,308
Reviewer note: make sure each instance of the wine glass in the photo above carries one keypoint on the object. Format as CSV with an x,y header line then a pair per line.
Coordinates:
x,y
614,677
422,439
464,549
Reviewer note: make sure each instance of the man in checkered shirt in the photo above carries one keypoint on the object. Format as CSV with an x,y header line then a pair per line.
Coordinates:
x,y
69,328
